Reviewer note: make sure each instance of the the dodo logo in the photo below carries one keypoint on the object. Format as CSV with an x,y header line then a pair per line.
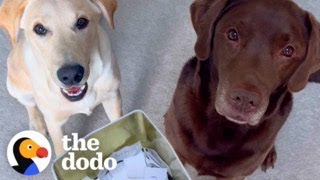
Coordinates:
x,y
29,153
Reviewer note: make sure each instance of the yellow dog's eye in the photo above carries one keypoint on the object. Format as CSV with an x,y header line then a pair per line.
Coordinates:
x,y
82,23
40,30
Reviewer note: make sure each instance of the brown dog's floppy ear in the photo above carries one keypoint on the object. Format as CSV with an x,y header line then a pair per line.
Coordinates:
x,y
108,8
311,62
10,15
203,15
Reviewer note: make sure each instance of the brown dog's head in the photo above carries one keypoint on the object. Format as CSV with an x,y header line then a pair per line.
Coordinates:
x,y
257,46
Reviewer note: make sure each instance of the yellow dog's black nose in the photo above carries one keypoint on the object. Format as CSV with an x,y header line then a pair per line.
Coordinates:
x,y
70,75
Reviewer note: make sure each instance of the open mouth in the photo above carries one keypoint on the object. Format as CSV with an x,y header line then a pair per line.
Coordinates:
x,y
75,93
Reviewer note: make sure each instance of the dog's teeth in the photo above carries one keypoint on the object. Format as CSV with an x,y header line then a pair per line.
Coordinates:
x,y
74,94
77,94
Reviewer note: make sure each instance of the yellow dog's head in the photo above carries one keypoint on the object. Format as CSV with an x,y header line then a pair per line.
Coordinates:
x,y
62,36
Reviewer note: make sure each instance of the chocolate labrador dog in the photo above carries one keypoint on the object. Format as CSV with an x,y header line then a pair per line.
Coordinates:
x,y
235,95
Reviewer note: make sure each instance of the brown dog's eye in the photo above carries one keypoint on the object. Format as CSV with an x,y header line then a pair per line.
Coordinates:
x,y
288,51
233,35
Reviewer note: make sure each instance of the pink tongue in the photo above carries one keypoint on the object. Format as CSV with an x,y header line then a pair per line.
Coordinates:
x,y
74,90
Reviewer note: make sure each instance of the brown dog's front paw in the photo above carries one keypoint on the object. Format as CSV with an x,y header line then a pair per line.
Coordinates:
x,y
270,160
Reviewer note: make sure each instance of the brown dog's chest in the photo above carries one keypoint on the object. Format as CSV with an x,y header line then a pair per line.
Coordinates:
x,y
221,149
221,138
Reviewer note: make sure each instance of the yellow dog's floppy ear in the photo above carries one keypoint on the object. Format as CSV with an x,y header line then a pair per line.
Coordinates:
x,y
108,8
10,15
311,63
204,13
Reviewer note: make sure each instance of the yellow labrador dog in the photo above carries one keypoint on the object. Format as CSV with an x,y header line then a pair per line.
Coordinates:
x,y
62,64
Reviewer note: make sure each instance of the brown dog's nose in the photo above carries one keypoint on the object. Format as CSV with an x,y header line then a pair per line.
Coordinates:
x,y
244,101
